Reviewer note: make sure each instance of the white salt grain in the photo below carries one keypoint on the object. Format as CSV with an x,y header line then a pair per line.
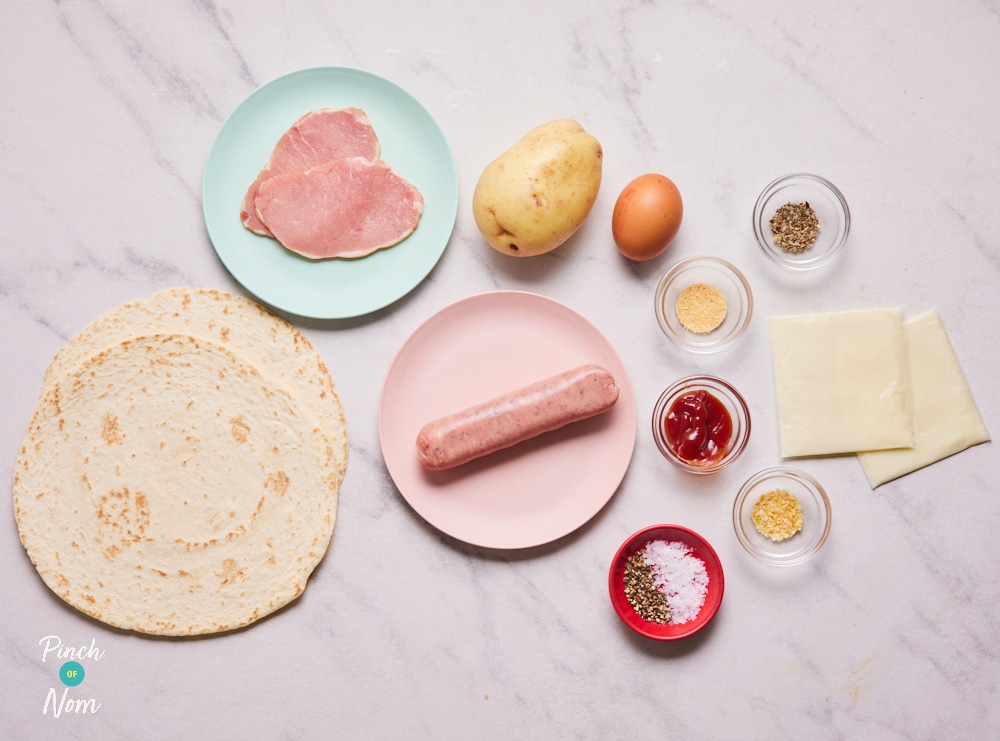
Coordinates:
x,y
679,575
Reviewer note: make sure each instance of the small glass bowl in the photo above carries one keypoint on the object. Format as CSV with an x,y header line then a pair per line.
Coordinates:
x,y
735,405
816,516
831,210
725,277
713,594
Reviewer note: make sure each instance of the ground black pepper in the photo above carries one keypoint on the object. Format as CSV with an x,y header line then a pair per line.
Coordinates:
x,y
641,592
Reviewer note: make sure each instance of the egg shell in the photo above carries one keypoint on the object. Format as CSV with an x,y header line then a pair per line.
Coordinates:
x,y
647,217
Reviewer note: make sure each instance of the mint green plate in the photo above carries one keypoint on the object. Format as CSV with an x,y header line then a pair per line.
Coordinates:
x,y
411,142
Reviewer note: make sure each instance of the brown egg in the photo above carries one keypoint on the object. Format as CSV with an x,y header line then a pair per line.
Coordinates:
x,y
647,217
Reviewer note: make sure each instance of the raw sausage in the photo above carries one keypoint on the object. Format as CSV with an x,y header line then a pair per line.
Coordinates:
x,y
516,416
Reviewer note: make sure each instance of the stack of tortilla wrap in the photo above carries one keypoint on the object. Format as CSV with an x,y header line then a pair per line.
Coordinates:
x,y
181,472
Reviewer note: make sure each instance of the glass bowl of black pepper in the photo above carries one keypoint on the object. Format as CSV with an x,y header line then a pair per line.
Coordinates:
x,y
801,221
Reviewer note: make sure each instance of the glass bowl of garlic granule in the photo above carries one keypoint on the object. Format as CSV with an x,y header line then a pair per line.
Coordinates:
x,y
801,221
782,516
703,304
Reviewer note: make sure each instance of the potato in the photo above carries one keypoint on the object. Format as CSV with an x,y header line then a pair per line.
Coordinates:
x,y
534,196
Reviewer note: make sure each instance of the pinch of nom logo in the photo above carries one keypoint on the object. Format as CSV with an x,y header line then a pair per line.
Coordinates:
x,y
71,674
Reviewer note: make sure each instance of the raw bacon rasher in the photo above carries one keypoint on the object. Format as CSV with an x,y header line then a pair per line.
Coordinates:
x,y
317,137
343,208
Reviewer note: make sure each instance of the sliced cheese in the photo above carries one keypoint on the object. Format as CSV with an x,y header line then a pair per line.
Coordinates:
x,y
945,415
841,382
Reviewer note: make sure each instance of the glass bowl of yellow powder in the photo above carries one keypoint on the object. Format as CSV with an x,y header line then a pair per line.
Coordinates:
x,y
703,304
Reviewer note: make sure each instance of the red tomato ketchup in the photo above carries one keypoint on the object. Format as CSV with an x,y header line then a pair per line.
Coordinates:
x,y
698,427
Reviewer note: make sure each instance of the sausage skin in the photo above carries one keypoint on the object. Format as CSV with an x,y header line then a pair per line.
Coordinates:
x,y
516,416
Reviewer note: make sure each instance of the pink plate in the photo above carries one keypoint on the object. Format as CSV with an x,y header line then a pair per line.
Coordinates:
x,y
700,548
534,492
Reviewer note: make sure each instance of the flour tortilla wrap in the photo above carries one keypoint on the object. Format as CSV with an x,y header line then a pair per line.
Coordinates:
x,y
170,486
275,348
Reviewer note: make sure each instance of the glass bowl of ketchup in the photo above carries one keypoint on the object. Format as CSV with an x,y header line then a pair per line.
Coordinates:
x,y
701,424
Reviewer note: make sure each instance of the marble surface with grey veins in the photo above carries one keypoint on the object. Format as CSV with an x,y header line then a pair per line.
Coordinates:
x,y
109,109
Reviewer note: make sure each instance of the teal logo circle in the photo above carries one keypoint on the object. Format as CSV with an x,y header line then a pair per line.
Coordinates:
x,y
71,673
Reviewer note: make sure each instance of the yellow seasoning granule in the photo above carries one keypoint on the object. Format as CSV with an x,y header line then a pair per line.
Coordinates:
x,y
701,307
777,515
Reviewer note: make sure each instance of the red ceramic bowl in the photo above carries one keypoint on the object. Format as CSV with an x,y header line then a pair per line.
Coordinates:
x,y
700,548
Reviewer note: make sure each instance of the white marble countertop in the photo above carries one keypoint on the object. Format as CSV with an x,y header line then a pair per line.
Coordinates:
x,y
891,632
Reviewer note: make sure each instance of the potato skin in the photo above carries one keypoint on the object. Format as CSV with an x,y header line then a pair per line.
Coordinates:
x,y
535,195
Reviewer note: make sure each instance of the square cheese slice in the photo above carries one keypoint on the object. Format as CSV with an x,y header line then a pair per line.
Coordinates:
x,y
841,382
944,413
